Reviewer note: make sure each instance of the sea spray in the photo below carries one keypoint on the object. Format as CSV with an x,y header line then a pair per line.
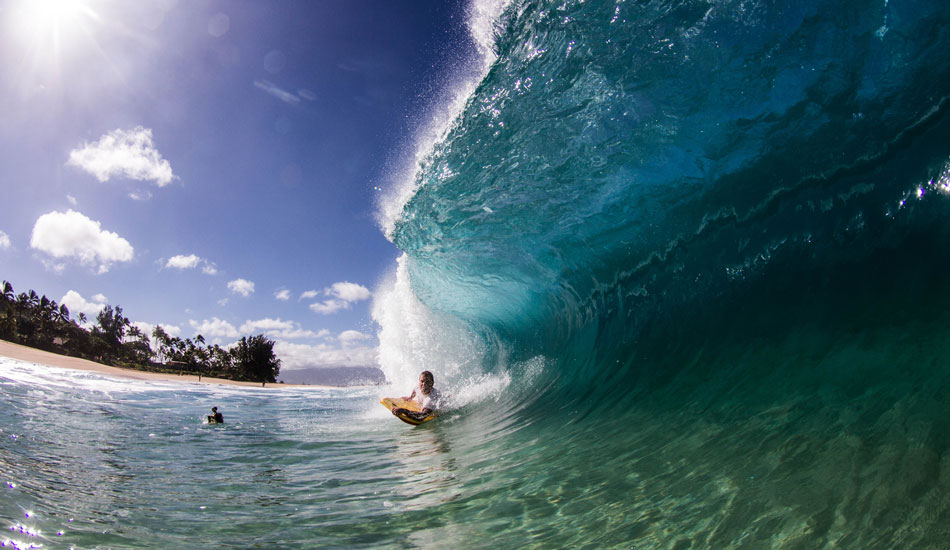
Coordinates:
x,y
413,338
483,21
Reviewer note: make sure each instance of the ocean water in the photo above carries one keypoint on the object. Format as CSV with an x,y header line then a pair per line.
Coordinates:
x,y
681,266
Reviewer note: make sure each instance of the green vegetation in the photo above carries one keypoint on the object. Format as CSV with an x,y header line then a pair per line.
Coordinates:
x,y
37,321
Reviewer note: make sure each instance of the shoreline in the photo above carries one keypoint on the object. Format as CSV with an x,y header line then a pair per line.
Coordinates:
x,y
48,359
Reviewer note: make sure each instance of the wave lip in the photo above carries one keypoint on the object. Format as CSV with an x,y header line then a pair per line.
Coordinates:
x,y
484,19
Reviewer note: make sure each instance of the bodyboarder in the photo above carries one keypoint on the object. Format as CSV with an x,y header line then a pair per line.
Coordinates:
x,y
428,398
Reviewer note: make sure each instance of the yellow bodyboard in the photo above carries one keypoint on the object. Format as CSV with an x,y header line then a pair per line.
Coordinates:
x,y
390,402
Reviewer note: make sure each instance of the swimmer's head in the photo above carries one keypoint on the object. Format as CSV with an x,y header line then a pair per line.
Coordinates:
x,y
426,381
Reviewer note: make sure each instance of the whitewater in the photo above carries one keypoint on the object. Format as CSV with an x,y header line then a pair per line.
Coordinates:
x,y
681,267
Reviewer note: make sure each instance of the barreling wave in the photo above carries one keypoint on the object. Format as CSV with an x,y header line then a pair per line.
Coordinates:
x,y
634,194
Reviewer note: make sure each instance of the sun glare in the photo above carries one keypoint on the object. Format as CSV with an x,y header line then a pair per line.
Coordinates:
x,y
49,34
40,15
51,20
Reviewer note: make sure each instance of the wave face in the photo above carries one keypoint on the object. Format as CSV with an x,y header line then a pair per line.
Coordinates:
x,y
714,235
631,172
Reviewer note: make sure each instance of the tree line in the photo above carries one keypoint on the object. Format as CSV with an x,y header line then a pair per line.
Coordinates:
x,y
37,321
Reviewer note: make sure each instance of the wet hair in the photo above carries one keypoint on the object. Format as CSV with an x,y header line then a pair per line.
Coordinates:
x,y
214,409
428,377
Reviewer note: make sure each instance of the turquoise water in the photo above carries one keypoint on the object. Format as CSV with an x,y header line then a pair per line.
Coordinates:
x,y
682,268
94,462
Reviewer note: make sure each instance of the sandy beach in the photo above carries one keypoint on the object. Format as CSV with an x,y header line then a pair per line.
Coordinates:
x,y
40,357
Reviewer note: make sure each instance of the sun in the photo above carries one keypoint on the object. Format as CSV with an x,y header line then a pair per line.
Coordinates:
x,y
45,23
39,16
49,33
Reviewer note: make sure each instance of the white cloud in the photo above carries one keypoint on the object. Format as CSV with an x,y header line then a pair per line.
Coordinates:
x,y
266,324
191,261
140,196
342,296
5,241
183,262
349,292
73,235
55,267
282,295
349,337
275,328
218,330
77,304
306,295
147,328
123,153
349,350
215,329
329,306
241,286
72,200
299,356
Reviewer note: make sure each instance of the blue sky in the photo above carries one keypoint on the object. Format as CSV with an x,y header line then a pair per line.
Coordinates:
x,y
215,167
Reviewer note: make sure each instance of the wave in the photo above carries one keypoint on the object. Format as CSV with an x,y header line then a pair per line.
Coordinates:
x,y
636,194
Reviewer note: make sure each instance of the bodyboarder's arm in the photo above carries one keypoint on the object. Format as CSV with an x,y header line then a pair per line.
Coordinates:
x,y
410,398
421,415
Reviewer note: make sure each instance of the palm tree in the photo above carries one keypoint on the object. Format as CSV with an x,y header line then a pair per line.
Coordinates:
x,y
255,359
178,348
7,321
24,310
33,299
137,346
112,325
63,313
46,313
162,343
8,295
219,361
46,316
